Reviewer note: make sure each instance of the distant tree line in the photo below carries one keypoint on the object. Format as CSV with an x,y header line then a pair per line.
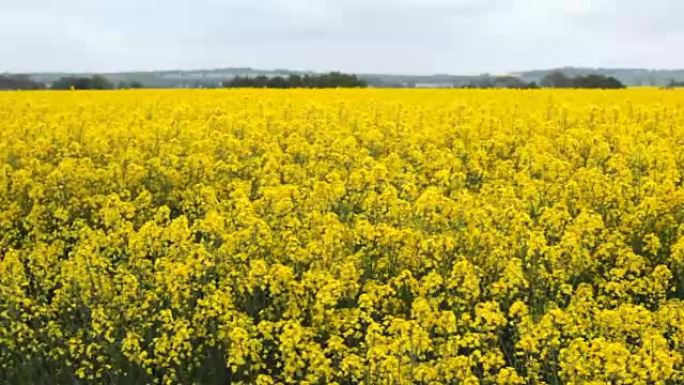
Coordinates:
x,y
95,82
558,79
554,79
486,81
19,82
129,85
329,80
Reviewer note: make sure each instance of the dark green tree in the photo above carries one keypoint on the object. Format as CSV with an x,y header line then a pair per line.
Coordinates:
x,y
330,80
596,81
556,79
96,82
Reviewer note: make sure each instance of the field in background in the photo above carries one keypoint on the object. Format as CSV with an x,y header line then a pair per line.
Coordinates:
x,y
342,236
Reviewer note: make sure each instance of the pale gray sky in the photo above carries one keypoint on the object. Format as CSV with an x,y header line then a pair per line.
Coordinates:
x,y
390,36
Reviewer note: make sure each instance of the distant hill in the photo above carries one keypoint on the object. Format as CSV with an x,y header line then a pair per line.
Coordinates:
x,y
214,77
172,78
628,76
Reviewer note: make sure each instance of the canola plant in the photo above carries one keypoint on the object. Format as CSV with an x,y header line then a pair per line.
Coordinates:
x,y
342,237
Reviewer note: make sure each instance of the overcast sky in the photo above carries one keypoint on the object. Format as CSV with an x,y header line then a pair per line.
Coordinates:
x,y
390,36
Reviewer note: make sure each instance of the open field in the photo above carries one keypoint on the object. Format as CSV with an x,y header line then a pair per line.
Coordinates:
x,y
342,236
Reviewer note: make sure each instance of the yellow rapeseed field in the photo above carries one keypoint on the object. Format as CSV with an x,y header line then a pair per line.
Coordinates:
x,y
342,237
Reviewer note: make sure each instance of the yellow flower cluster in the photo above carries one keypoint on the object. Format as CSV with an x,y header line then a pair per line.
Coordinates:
x,y
390,237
